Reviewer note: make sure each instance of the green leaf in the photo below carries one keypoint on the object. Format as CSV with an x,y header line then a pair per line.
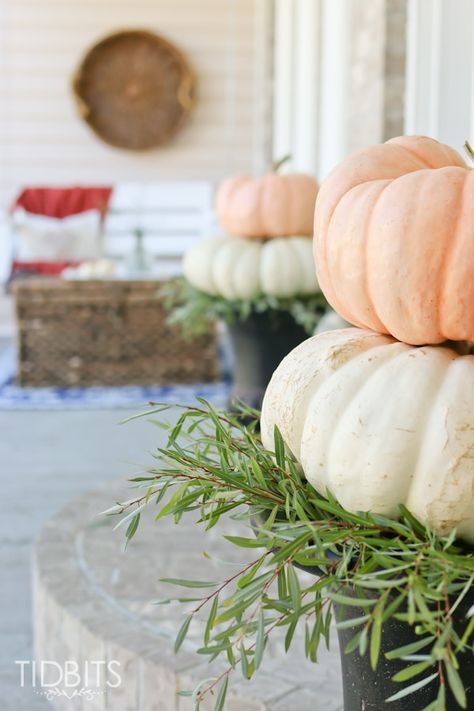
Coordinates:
x,y
443,638
363,641
412,670
326,627
183,630
255,585
247,577
279,448
247,666
411,607
211,618
467,634
260,641
352,622
412,688
243,542
314,640
257,472
290,634
270,520
170,506
441,700
413,522
282,586
456,685
353,643
213,649
351,601
375,640
221,696
411,648
132,527
381,584
295,590
392,607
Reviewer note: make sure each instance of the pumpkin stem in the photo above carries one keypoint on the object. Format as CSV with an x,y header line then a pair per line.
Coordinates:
x,y
278,163
469,150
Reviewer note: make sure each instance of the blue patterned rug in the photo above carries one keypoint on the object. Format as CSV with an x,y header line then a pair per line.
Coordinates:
x,y
14,397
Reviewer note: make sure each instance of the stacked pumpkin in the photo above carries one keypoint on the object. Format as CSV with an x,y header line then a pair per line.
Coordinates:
x,y
269,221
385,416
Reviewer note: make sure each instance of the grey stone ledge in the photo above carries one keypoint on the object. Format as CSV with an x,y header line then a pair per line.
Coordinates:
x,y
93,601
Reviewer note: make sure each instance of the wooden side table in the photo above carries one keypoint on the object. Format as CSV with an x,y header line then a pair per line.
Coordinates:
x,y
104,333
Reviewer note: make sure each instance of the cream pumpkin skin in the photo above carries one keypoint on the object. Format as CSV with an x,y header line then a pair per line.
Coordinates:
x,y
237,268
268,206
380,423
394,241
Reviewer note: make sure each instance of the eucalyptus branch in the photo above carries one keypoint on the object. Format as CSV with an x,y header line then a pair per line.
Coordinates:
x,y
193,310
227,582
398,569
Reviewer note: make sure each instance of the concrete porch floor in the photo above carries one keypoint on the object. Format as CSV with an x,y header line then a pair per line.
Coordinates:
x,y
46,460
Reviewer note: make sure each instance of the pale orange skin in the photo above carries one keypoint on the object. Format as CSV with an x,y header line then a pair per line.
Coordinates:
x,y
394,241
268,206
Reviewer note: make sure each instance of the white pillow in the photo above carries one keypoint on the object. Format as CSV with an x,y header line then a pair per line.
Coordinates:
x,y
50,239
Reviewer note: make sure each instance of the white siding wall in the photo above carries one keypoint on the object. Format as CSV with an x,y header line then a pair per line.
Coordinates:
x,y
43,141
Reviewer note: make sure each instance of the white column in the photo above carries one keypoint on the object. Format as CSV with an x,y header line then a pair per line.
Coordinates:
x,y
264,26
283,83
440,77
306,86
329,68
334,86
296,83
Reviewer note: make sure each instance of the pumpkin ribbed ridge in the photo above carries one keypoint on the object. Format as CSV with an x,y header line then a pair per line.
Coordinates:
x,y
238,268
420,211
395,363
268,206
380,423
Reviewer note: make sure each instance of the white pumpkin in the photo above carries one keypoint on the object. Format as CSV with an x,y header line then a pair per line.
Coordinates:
x,y
238,268
379,423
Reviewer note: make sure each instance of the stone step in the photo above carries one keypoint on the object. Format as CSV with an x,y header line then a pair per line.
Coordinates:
x,y
93,602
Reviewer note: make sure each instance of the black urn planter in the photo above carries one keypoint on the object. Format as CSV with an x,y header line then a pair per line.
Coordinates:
x,y
258,345
368,690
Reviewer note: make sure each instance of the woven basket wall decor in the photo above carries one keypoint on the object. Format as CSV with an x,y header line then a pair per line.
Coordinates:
x,y
134,89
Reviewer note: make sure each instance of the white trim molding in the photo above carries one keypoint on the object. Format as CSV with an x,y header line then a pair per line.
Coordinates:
x,y
306,85
328,80
263,75
440,78
297,79
335,84
283,80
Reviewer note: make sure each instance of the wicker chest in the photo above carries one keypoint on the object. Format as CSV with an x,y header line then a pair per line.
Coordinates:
x,y
104,333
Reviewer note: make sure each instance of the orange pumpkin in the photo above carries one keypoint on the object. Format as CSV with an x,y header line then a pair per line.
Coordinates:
x,y
271,205
394,241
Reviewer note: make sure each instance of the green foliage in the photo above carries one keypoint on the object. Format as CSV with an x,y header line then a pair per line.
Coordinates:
x,y
215,466
193,309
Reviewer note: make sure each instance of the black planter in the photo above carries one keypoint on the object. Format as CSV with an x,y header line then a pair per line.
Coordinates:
x,y
258,345
367,690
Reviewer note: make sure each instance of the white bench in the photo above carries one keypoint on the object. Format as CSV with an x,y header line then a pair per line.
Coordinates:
x,y
171,215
